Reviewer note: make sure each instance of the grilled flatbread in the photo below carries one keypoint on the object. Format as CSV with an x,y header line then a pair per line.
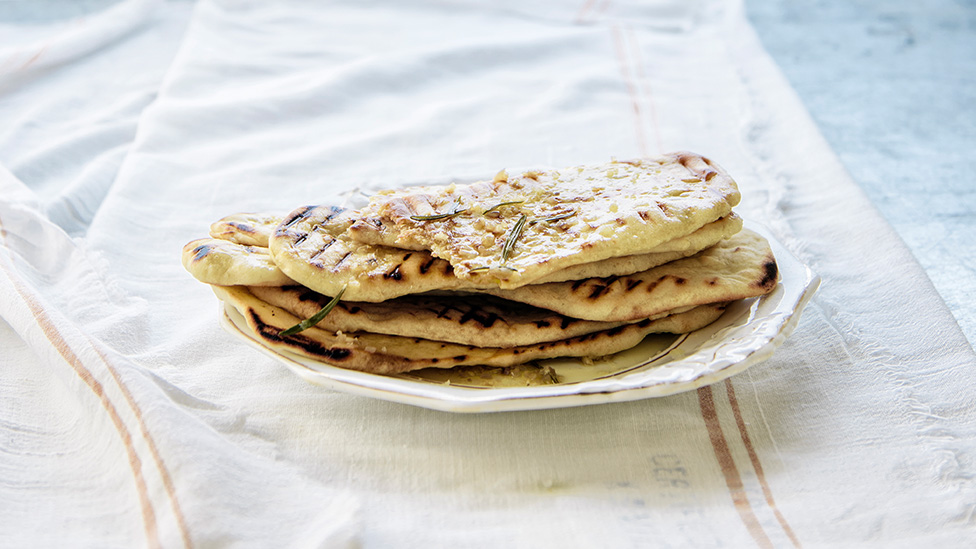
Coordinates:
x,y
310,246
478,320
739,267
315,246
222,262
681,247
250,229
520,229
385,354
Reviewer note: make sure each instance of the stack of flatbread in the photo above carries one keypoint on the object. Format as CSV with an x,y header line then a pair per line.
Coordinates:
x,y
577,262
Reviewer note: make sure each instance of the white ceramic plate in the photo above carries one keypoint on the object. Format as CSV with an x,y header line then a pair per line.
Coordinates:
x,y
747,333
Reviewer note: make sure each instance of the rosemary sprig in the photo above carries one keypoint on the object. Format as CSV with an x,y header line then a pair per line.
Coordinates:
x,y
436,217
502,205
314,319
512,237
557,217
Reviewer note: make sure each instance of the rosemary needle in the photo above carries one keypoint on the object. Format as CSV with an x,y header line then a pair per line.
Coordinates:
x,y
436,217
557,217
515,234
503,204
314,319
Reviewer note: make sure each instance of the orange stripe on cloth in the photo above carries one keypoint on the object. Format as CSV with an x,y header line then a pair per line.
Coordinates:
x,y
153,450
731,473
59,343
54,336
757,465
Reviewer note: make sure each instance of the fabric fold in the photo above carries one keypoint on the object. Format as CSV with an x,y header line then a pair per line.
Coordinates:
x,y
120,388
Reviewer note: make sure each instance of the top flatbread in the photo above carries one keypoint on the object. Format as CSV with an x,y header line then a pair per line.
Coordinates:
x,y
522,228
313,246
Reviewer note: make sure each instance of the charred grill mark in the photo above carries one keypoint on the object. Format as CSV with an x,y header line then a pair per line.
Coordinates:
x,y
297,216
644,323
201,252
337,353
712,281
644,215
310,295
542,323
334,211
242,227
770,271
577,284
686,160
426,265
271,333
394,274
486,320
460,358
679,280
300,239
341,259
652,285
597,291
328,243
633,283
566,322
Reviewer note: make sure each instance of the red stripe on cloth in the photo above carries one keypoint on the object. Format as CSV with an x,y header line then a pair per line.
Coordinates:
x,y
731,473
58,342
756,465
625,71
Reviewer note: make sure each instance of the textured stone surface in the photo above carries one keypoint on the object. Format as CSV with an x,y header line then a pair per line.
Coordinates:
x,y
892,86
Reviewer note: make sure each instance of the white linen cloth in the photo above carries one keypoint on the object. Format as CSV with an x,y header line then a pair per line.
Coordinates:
x,y
130,418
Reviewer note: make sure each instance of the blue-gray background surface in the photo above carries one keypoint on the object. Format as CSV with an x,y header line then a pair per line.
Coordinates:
x,y
892,86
